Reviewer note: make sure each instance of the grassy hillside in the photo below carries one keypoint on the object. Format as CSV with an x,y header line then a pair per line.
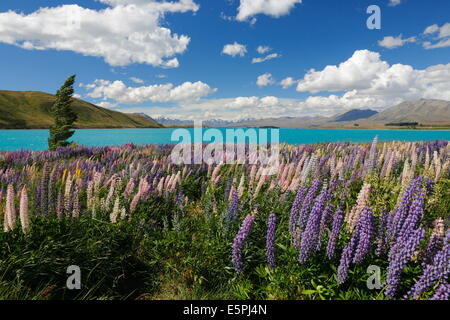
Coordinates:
x,y
31,110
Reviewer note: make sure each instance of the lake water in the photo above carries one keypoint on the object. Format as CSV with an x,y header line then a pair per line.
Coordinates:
x,y
37,139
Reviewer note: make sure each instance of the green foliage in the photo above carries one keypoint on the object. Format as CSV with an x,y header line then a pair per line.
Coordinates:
x,y
63,115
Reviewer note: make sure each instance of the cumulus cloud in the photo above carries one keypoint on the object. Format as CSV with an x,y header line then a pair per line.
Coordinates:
x,y
442,36
288,82
355,73
264,80
235,49
263,49
102,33
395,42
118,92
273,8
433,37
137,80
369,82
266,58
393,3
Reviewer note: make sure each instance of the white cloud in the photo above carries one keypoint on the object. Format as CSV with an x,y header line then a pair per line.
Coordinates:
x,y
388,85
266,58
431,29
355,73
263,49
395,42
273,8
102,33
264,80
369,82
137,80
442,36
106,104
120,93
235,49
288,82
393,3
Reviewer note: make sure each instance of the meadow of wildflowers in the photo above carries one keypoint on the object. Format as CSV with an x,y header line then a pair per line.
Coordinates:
x,y
140,227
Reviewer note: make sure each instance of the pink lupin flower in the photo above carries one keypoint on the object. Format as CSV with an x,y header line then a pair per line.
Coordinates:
x,y
10,210
241,187
352,218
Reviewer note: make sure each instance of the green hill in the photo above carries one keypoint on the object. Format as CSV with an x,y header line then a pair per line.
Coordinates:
x,y
31,110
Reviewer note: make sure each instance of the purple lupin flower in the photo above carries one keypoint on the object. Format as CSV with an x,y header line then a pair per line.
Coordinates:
x,y
334,236
293,218
239,242
400,255
438,271
415,213
429,185
324,224
306,205
310,236
270,241
366,233
397,218
232,212
381,238
347,257
435,243
442,293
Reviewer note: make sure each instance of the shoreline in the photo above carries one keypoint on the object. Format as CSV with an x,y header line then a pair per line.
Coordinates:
x,y
235,128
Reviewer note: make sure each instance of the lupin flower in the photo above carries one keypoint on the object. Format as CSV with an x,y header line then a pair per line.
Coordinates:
x,y
335,231
442,293
310,236
10,210
353,216
346,258
239,242
436,241
293,218
24,218
437,271
270,241
232,212
115,212
306,205
399,257
365,237
67,193
76,203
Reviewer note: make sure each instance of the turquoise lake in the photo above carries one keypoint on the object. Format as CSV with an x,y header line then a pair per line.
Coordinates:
x,y
37,139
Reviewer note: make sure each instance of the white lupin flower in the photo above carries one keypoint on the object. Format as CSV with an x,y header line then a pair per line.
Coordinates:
x,y
24,218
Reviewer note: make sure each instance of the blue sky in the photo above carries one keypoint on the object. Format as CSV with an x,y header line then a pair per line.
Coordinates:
x,y
170,58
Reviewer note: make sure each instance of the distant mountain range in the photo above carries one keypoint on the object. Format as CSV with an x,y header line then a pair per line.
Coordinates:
x,y
31,110
422,113
217,123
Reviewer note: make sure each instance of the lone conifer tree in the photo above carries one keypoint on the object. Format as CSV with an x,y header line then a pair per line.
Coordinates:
x,y
63,116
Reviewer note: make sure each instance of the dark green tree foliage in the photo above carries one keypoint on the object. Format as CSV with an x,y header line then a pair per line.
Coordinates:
x,y
63,115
